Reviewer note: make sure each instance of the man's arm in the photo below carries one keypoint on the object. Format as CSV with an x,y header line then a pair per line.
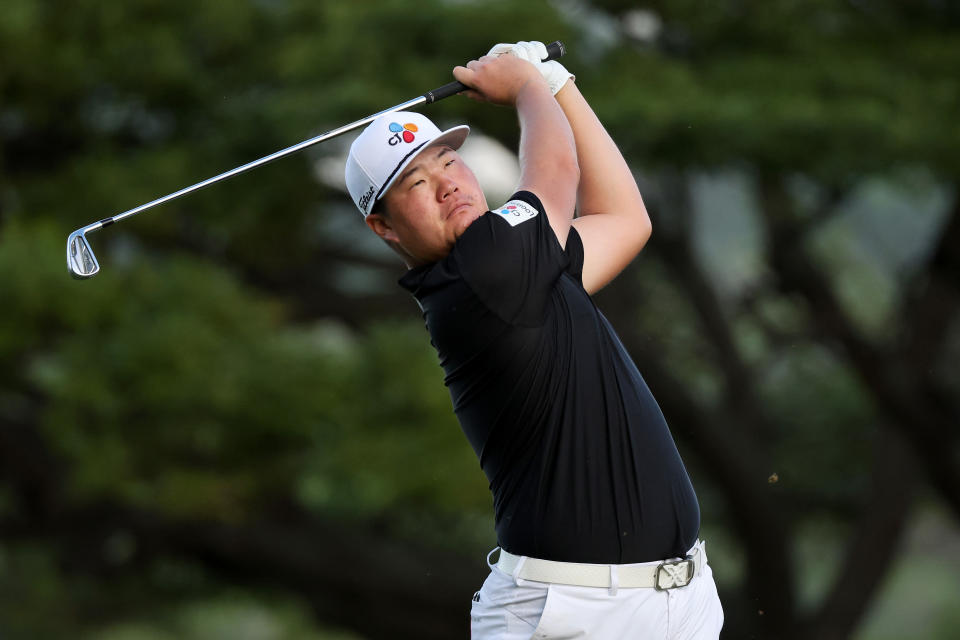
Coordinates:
x,y
548,156
613,221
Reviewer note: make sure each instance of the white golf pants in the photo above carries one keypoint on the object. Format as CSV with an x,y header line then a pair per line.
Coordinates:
x,y
506,610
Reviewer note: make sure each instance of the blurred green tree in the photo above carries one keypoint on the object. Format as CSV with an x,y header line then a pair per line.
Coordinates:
x,y
244,397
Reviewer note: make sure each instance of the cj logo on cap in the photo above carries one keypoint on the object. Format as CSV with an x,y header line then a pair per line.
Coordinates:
x,y
404,133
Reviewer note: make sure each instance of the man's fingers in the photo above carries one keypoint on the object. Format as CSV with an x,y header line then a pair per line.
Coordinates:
x,y
464,75
474,95
495,79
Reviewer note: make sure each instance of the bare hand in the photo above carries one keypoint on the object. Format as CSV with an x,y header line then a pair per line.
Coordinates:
x,y
498,79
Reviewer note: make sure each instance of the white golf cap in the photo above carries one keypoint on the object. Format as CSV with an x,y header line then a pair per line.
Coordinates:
x,y
388,144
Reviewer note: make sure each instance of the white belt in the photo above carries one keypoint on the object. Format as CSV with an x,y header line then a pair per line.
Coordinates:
x,y
660,576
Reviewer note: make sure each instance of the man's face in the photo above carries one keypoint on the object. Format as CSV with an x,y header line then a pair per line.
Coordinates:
x,y
430,205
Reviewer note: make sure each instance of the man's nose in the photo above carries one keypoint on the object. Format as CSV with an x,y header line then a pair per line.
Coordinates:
x,y
446,188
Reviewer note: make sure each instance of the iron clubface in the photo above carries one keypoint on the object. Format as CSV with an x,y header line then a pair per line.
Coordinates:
x,y
80,259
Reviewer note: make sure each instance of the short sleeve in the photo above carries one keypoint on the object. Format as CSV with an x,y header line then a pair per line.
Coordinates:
x,y
574,253
511,259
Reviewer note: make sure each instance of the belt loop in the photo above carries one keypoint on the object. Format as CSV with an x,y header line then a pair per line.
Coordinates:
x,y
517,580
614,580
493,551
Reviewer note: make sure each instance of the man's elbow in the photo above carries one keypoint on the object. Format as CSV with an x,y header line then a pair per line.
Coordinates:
x,y
570,170
644,228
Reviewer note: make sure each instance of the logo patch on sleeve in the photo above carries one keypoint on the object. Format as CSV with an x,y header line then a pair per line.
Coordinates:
x,y
515,212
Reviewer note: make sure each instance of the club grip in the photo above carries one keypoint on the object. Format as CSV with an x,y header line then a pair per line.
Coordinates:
x,y
554,50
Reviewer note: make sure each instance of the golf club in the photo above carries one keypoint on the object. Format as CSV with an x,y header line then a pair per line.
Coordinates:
x,y
83,264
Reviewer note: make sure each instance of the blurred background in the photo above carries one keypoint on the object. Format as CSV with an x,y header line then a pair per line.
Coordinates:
x,y
239,428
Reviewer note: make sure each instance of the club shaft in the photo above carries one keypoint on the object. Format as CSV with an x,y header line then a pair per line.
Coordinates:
x,y
259,162
83,264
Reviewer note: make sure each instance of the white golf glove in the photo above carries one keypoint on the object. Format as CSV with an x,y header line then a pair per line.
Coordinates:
x,y
552,71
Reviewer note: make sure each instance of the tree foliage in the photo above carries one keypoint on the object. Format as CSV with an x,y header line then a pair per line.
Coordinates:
x,y
241,418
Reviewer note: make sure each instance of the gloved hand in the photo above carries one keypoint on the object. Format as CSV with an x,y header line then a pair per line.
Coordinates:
x,y
552,71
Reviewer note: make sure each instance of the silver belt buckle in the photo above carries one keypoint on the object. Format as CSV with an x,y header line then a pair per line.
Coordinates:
x,y
674,574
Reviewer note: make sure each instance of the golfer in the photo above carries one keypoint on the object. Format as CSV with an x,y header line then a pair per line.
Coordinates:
x,y
596,518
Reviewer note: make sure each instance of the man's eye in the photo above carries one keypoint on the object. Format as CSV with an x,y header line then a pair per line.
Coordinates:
x,y
449,162
416,183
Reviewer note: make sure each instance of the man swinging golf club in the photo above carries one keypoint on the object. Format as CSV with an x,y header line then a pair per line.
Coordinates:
x,y
596,518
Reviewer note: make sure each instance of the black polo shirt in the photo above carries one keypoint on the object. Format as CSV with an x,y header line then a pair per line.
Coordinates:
x,y
580,460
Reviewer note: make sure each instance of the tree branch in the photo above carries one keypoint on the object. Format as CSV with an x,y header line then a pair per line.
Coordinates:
x,y
739,384
896,388
873,544
933,300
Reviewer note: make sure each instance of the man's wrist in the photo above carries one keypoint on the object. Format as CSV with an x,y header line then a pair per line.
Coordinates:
x,y
534,88
565,88
535,52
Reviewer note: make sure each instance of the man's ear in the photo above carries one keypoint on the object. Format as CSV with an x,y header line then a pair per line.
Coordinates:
x,y
381,226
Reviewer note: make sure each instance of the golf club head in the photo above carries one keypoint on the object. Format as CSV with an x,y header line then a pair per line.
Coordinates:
x,y
80,259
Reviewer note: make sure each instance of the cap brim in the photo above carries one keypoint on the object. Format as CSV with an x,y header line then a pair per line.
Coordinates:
x,y
453,138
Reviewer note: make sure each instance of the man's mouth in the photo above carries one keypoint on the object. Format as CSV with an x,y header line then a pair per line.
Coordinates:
x,y
463,206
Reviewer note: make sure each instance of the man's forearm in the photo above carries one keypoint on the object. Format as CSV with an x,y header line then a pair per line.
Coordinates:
x,y
606,182
548,155
613,223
